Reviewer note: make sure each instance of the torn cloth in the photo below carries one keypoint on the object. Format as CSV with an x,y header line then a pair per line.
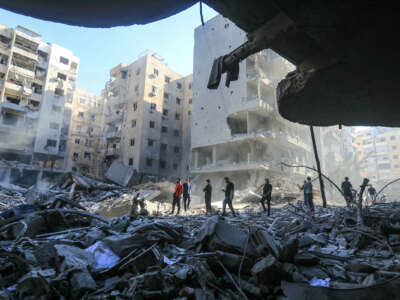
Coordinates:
x,y
216,71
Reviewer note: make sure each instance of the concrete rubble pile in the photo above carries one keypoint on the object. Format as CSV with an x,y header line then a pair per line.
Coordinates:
x,y
65,252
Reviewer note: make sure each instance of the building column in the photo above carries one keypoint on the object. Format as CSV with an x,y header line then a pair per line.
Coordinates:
x,y
196,159
214,155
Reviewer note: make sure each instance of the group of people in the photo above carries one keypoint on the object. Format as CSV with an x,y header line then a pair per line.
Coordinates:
x,y
182,191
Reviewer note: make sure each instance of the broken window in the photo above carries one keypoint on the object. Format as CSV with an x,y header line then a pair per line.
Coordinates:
x,y
150,142
137,88
149,162
190,86
78,127
133,123
82,100
163,164
155,72
165,112
10,119
77,141
75,156
137,72
179,85
190,101
166,96
54,125
130,161
132,142
153,89
37,89
175,166
92,118
176,132
153,107
189,112
163,147
135,106
176,149
164,129
167,79
81,114
87,155
152,124
74,66
178,101
62,146
59,92
62,76
123,74
51,143
64,60
177,116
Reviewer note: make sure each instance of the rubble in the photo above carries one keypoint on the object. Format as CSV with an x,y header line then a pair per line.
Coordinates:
x,y
55,247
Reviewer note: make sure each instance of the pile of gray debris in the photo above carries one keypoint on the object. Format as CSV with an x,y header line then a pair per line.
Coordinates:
x,y
69,253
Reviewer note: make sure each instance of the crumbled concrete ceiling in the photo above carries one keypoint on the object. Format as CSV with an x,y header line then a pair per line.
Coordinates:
x,y
346,50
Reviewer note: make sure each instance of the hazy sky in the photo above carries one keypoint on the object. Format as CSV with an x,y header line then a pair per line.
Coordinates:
x,y
101,49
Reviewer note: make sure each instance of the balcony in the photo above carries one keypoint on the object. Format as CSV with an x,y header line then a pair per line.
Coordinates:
x,y
25,52
22,71
256,104
36,97
111,152
13,87
28,34
3,68
6,105
114,135
4,48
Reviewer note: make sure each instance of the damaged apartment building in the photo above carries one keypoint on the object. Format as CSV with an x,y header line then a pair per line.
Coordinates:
x,y
85,135
237,130
36,79
147,119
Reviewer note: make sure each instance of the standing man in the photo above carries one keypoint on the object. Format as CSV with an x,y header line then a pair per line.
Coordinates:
x,y
229,192
207,196
308,194
267,195
178,190
303,188
372,194
347,190
186,194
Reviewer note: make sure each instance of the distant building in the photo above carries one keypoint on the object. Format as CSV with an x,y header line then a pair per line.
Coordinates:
x,y
85,135
379,153
237,130
37,81
147,118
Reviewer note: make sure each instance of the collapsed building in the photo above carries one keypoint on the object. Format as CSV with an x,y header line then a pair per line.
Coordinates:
x,y
37,82
147,119
85,135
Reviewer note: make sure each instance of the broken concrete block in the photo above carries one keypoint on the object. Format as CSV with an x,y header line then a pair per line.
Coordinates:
x,y
81,282
34,283
139,263
267,269
306,259
70,257
360,267
233,261
119,173
289,249
269,241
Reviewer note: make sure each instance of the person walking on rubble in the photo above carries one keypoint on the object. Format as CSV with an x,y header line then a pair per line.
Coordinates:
x,y
207,195
267,195
229,193
347,190
178,190
187,189
308,194
372,194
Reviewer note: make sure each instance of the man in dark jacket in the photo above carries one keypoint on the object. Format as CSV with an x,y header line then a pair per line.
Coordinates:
x,y
229,193
267,195
207,195
186,194
347,190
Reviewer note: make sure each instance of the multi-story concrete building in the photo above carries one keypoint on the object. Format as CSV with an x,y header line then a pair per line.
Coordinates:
x,y
237,130
36,79
85,135
379,153
148,118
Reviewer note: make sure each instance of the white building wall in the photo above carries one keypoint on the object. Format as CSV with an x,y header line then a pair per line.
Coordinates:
x,y
211,107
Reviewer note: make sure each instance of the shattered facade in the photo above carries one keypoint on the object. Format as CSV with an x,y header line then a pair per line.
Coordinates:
x,y
148,118
85,135
237,129
37,81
